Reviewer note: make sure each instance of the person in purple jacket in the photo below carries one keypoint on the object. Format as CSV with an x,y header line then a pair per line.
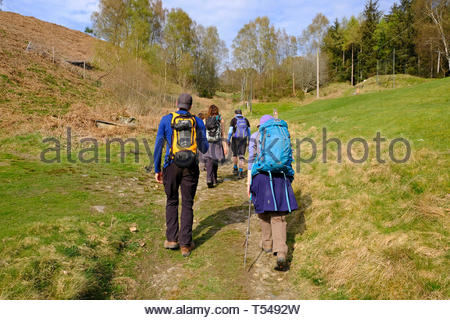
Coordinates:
x,y
273,222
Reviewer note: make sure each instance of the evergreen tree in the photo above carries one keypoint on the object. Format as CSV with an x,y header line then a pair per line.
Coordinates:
x,y
368,55
335,49
401,35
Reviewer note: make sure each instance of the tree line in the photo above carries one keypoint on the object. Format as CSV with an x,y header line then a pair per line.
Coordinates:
x,y
268,63
412,38
175,46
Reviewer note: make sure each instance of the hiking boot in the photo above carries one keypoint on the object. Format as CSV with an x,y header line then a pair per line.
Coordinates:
x,y
281,261
210,184
171,245
186,250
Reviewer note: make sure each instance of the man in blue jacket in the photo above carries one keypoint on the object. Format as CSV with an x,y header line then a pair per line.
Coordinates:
x,y
174,177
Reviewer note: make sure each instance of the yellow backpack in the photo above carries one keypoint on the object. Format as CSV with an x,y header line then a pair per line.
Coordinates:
x,y
184,140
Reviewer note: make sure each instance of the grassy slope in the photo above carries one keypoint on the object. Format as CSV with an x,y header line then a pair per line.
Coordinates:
x,y
54,245
376,230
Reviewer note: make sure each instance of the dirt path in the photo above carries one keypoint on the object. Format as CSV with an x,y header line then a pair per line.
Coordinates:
x,y
218,212
263,281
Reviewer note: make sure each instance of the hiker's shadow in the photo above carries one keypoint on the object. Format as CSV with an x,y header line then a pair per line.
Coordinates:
x,y
296,223
212,224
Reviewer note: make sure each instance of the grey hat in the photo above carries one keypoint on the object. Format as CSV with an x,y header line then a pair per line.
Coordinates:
x,y
184,101
238,111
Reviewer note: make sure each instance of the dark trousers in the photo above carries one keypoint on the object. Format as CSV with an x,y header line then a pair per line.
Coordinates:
x,y
212,166
174,178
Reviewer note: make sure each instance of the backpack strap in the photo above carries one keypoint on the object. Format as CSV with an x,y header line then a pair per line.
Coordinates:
x,y
287,194
172,122
273,194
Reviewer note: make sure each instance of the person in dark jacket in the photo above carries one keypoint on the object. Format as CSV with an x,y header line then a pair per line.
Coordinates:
x,y
175,177
238,138
218,149
273,223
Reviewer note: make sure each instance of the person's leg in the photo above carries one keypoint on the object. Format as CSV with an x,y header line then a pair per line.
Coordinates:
x,y
215,169
266,231
234,150
278,224
171,179
189,184
241,152
209,171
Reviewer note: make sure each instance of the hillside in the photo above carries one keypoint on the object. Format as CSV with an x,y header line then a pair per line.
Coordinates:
x,y
41,92
37,90
19,30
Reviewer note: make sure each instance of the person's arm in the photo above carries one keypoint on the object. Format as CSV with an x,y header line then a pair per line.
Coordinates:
x,y
159,143
222,133
248,131
222,128
252,151
231,129
252,154
230,133
202,142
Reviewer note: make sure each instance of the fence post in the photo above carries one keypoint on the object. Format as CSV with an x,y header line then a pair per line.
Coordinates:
x,y
53,56
393,69
84,69
378,66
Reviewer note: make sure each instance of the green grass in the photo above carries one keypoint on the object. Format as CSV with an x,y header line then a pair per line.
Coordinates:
x,y
54,245
419,114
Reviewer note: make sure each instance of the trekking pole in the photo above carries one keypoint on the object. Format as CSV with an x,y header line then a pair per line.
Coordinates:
x,y
248,231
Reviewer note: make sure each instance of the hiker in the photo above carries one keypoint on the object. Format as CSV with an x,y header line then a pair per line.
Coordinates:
x,y
270,175
218,149
184,135
201,156
238,135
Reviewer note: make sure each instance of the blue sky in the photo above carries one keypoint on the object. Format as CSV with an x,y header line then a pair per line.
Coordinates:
x,y
228,15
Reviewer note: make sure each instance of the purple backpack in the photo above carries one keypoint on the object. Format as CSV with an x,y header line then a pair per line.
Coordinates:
x,y
241,127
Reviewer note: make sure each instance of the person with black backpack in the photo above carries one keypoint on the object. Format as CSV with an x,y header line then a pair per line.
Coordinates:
x,y
270,175
238,137
184,135
218,149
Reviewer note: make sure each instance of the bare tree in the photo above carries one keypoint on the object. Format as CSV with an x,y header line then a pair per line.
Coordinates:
x,y
438,11
312,39
304,72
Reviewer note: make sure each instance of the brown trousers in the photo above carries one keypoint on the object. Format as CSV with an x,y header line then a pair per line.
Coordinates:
x,y
273,231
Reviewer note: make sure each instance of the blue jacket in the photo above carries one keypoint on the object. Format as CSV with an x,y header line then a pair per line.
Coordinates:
x,y
165,134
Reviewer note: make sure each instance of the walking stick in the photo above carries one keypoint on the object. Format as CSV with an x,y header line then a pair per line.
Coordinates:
x,y
248,231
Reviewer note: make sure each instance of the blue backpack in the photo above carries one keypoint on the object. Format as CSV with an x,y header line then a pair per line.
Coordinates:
x,y
275,155
241,127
